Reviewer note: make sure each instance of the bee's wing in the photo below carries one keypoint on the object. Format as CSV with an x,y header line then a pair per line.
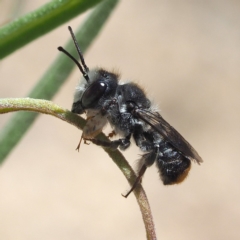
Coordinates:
x,y
155,120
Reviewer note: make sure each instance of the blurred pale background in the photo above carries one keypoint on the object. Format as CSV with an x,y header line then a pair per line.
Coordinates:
x,y
187,55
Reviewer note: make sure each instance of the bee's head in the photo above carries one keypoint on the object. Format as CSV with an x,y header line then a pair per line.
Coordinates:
x,y
94,93
96,86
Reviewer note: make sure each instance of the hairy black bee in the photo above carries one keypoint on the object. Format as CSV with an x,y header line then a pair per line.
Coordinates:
x,y
131,115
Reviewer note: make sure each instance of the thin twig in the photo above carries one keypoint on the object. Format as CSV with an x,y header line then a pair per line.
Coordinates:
x,y
47,107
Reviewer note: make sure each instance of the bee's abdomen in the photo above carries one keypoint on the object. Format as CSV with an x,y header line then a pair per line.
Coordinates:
x,y
173,166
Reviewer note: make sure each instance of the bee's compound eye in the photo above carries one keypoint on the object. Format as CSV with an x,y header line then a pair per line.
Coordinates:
x,y
92,94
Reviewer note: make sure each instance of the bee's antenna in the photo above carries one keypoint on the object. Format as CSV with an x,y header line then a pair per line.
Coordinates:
x,y
86,69
78,49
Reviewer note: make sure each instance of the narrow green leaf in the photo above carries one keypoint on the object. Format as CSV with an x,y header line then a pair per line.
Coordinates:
x,y
37,23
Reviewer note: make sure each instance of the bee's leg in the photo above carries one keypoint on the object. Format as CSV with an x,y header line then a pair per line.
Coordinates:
x,y
122,143
142,142
146,161
138,180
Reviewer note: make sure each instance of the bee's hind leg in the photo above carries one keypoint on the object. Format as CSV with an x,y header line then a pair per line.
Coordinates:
x,y
122,143
137,180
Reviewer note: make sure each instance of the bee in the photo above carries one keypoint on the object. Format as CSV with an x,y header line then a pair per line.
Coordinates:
x,y
125,106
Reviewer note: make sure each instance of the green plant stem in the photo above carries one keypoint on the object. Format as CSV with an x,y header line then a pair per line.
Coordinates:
x,y
47,107
37,23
